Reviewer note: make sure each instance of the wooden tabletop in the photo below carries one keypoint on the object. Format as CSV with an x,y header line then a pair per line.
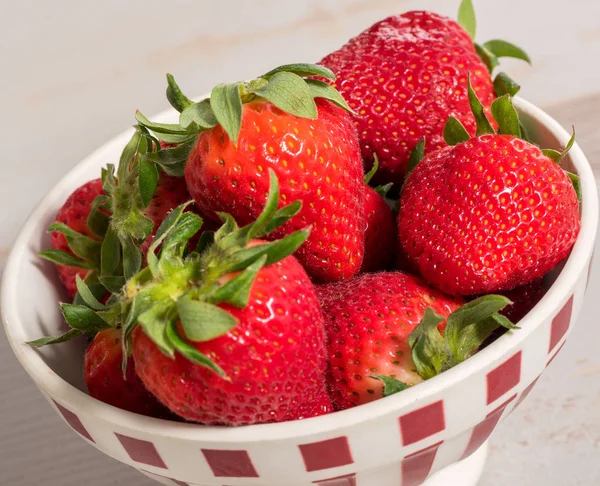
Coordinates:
x,y
76,71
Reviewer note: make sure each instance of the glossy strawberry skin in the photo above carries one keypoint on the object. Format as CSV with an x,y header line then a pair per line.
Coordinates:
x,y
74,213
404,77
368,320
275,359
104,377
380,232
487,215
316,161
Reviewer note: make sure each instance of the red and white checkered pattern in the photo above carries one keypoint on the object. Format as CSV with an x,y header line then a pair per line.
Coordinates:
x,y
402,449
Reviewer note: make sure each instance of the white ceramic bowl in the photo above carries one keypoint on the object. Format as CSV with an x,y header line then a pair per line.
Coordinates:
x,y
400,440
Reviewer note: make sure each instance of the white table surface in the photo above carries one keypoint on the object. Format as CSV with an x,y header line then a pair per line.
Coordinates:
x,y
73,72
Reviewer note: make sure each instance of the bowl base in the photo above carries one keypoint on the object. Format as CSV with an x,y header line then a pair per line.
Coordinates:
x,y
464,473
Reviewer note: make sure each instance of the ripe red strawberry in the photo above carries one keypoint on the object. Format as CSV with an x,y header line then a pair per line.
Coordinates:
x,y
490,213
381,228
403,77
371,322
231,333
103,373
523,300
283,122
380,233
74,213
273,373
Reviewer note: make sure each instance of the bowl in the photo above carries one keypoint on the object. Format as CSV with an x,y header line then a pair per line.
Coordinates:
x,y
436,430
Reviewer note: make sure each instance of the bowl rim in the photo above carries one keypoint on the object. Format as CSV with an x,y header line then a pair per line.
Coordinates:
x,y
56,387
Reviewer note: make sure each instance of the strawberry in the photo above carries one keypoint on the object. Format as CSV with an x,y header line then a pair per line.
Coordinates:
x,y
105,381
489,213
73,214
274,122
387,331
380,231
129,212
523,300
405,75
230,333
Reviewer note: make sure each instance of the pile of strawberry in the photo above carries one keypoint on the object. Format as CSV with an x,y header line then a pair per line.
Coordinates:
x,y
240,267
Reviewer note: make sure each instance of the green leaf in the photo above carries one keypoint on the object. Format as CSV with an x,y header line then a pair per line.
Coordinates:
x,y
390,385
487,57
83,246
176,138
226,104
576,184
455,132
111,253
173,160
163,128
557,156
202,321
97,290
67,336
302,69
502,48
369,175
190,352
506,116
207,238
148,180
127,156
177,99
154,322
187,226
165,228
290,93
227,228
383,190
427,344
275,251
320,89
113,284
281,217
83,318
466,18
98,220
63,258
143,302
86,294
132,257
199,113
268,211
504,322
111,315
472,313
237,291
553,154
504,84
483,124
416,155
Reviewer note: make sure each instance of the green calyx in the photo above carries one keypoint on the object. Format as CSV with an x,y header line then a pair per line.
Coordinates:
x,y
291,87
176,297
116,218
507,119
466,329
491,51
